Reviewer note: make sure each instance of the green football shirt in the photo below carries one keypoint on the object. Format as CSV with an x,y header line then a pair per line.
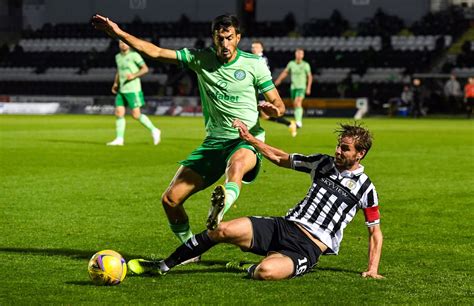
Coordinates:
x,y
228,91
129,63
299,73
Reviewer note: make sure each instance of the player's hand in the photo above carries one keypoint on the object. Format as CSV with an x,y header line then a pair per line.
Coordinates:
x,y
243,130
106,25
131,77
269,109
371,274
308,91
114,89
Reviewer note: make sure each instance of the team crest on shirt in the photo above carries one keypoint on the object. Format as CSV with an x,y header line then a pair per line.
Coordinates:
x,y
351,184
239,74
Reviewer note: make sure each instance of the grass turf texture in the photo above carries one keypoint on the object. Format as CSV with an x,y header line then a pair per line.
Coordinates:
x,y
65,195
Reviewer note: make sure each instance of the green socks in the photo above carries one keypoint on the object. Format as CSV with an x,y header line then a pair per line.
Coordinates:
x,y
232,192
120,127
299,116
146,122
182,231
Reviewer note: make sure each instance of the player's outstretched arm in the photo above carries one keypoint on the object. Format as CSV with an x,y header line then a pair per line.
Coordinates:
x,y
276,156
281,77
148,49
375,252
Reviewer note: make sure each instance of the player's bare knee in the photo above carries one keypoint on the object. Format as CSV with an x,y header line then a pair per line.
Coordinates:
x,y
235,170
135,115
221,233
265,271
167,200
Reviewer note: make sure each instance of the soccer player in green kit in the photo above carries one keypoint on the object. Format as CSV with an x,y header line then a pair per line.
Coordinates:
x,y
301,81
229,81
128,91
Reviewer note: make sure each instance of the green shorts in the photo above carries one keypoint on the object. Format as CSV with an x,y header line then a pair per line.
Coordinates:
x,y
298,92
130,99
210,159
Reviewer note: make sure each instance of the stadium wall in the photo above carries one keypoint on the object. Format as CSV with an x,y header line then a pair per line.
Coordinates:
x,y
53,11
353,10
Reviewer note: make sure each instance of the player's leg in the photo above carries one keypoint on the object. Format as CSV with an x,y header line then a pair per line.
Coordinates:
x,y
298,107
185,183
289,252
237,232
242,161
275,266
136,101
281,120
267,235
119,122
292,127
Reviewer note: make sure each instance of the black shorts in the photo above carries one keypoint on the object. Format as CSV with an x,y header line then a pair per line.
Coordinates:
x,y
275,234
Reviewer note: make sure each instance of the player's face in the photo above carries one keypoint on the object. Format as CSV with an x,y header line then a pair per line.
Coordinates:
x,y
225,42
347,157
299,55
123,47
257,48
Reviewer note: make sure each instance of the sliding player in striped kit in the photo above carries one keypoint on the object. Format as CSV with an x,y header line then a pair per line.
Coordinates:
x,y
293,244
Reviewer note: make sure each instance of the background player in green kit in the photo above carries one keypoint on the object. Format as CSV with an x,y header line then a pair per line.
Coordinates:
x,y
301,80
128,91
229,81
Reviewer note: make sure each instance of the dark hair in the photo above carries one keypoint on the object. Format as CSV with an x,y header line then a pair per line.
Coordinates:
x,y
258,42
224,22
362,136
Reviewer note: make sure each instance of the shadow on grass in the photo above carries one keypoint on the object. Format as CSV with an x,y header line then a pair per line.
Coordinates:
x,y
75,141
87,254
71,253
316,269
81,283
177,271
100,143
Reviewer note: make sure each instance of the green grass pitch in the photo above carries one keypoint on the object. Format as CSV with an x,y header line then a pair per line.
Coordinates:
x,y
65,195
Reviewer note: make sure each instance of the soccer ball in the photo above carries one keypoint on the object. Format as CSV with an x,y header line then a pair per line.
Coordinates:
x,y
107,268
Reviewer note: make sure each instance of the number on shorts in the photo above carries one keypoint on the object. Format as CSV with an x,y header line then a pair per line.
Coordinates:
x,y
301,266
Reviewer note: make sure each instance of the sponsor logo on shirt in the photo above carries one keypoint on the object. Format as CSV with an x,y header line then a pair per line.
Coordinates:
x,y
222,96
222,84
332,185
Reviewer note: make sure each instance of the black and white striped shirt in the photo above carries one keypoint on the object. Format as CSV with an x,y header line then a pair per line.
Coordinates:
x,y
333,199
